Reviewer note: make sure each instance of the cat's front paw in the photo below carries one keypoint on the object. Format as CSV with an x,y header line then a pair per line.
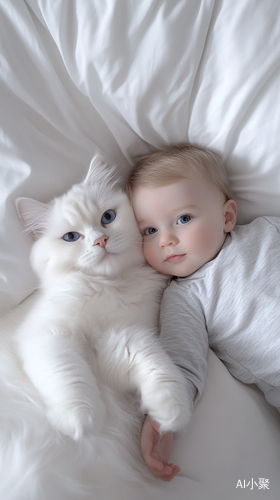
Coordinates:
x,y
171,411
77,420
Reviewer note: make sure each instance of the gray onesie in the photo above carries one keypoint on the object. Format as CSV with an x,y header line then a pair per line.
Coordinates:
x,y
231,304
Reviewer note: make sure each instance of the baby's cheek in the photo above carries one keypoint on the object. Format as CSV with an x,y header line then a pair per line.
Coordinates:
x,y
150,254
211,242
146,251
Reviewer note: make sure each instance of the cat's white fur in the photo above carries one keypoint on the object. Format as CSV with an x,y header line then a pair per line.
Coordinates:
x,y
96,313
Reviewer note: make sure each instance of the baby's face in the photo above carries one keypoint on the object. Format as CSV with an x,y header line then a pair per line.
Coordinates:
x,y
182,224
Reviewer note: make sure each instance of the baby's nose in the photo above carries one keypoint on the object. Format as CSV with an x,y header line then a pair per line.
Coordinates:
x,y
168,238
101,241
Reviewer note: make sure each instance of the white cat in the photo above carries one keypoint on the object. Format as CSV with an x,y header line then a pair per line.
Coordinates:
x,y
97,310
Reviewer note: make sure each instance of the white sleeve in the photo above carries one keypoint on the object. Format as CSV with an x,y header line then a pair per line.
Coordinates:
x,y
184,336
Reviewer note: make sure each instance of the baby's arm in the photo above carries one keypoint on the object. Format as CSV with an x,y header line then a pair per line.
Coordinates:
x,y
184,337
156,449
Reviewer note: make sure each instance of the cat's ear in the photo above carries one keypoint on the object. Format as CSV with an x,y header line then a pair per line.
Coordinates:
x,y
99,171
33,215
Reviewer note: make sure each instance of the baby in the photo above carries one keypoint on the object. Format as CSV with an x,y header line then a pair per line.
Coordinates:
x,y
224,291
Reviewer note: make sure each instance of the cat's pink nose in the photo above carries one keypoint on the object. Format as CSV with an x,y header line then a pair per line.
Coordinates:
x,y
101,241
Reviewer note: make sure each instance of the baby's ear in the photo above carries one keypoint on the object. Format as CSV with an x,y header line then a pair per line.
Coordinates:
x,y
230,213
33,215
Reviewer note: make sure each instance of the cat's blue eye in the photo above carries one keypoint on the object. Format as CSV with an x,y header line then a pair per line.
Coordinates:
x,y
150,231
72,236
184,219
108,217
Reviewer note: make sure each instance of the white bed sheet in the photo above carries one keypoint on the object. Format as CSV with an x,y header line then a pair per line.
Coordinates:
x,y
123,77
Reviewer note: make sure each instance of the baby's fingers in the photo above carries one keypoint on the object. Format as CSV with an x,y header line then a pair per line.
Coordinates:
x,y
153,463
169,472
166,473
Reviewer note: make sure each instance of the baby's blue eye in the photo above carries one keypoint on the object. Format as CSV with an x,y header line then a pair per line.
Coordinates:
x,y
72,236
149,231
108,217
184,219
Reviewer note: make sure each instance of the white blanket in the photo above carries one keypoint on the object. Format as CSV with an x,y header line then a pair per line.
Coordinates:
x,y
122,77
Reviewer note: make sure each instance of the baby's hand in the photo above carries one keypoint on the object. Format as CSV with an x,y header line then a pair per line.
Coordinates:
x,y
156,449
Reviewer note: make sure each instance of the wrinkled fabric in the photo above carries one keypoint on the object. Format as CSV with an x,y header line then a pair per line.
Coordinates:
x,y
122,78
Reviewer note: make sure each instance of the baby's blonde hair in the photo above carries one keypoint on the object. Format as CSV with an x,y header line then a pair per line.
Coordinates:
x,y
173,163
